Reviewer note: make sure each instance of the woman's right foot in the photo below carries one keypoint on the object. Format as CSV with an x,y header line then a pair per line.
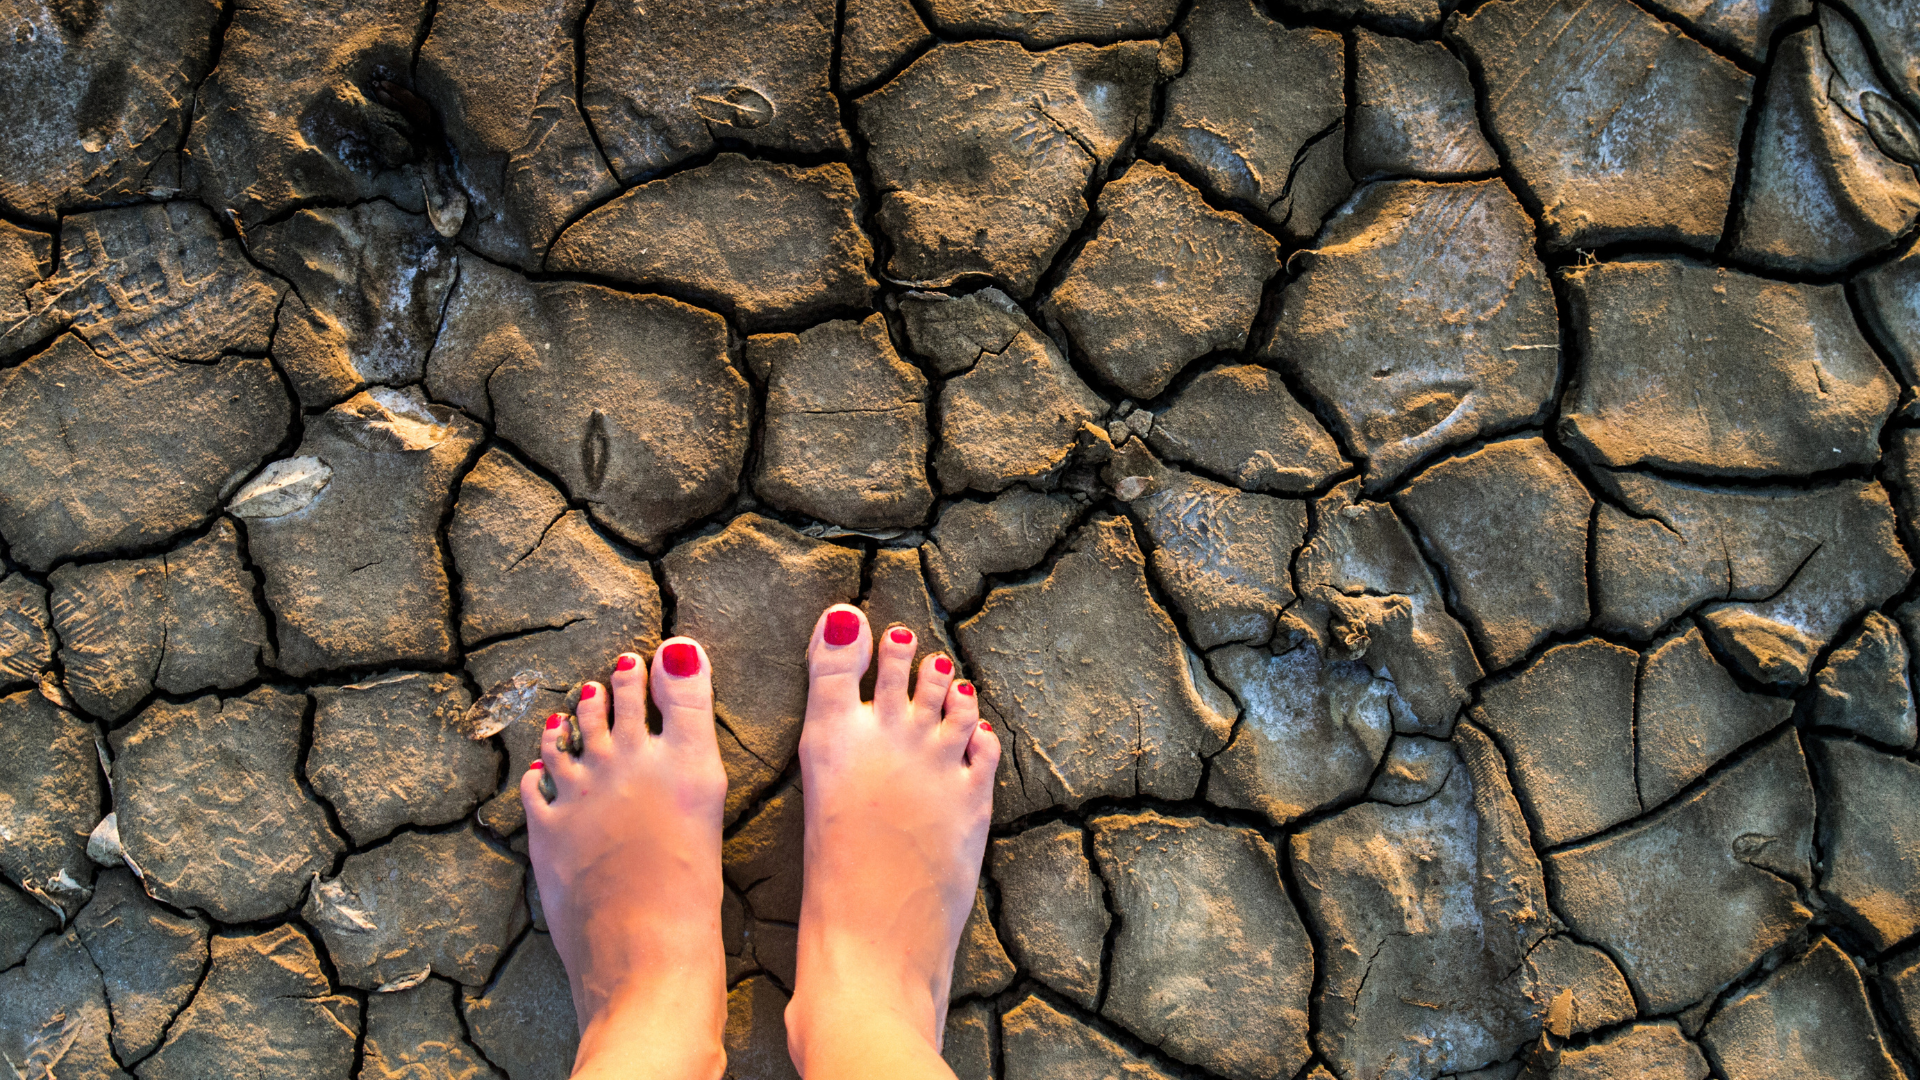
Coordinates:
x,y
899,792
627,855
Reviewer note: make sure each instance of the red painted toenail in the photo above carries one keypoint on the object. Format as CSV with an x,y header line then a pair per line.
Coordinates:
x,y
967,689
680,660
842,627
943,665
587,692
553,721
902,636
625,663
538,765
984,726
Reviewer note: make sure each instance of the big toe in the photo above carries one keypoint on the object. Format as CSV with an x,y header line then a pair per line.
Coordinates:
x,y
683,690
838,656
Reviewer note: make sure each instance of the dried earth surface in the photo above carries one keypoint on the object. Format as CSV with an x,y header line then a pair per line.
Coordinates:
x,y
1428,493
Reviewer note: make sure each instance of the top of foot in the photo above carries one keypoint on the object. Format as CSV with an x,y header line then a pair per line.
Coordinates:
x,y
624,835
899,793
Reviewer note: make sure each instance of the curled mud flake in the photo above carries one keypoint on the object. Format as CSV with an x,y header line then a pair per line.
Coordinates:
x,y
502,706
736,106
446,203
1560,1015
330,907
281,488
547,790
106,763
1893,131
52,689
404,982
1133,487
822,530
103,844
45,901
1349,640
385,419
1172,56
62,886
389,680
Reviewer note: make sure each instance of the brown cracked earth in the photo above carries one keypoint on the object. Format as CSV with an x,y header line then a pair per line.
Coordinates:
x,y
1426,493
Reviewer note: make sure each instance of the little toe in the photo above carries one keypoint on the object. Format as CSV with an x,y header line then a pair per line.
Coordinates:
x,y
983,751
931,692
894,670
591,716
683,689
629,686
960,716
836,659
558,762
531,796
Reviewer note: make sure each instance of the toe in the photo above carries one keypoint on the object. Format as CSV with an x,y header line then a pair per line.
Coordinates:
x,y
559,764
894,666
960,716
531,796
683,689
591,715
931,692
983,751
836,659
629,700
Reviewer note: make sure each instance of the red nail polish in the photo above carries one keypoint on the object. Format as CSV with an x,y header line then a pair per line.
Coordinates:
x,y
984,726
842,627
943,665
902,636
553,721
587,692
625,663
680,659
538,765
966,688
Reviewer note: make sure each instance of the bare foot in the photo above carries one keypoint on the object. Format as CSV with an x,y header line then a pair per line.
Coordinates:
x,y
627,856
898,796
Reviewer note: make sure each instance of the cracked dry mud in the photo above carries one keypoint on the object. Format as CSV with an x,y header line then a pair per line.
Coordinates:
x,y
1427,492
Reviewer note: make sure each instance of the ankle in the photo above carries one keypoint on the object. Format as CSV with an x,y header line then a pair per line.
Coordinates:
x,y
675,1040
660,1063
844,972
852,1022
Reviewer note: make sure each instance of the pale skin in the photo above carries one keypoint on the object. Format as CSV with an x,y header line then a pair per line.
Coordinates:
x,y
627,855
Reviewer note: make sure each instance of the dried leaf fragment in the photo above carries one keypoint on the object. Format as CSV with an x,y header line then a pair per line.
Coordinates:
x,y
502,706
103,844
404,982
281,488
330,902
385,419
